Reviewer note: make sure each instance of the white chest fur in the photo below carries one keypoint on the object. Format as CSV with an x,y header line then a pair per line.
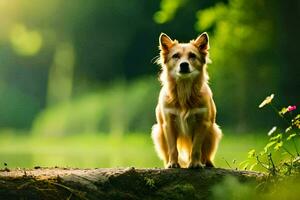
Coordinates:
x,y
185,119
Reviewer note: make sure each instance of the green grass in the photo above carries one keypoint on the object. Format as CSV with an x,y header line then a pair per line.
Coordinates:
x,y
234,148
100,150
84,151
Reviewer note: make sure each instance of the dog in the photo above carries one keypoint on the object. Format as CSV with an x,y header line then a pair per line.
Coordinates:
x,y
186,133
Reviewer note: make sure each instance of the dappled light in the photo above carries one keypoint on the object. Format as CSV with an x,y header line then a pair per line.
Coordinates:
x,y
168,9
25,42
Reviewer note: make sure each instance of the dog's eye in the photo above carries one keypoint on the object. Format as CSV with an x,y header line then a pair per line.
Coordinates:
x,y
192,55
176,56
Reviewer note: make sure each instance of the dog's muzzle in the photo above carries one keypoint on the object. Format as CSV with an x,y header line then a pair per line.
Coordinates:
x,y
184,68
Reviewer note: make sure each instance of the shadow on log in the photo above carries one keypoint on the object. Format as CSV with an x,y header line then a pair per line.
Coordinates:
x,y
129,183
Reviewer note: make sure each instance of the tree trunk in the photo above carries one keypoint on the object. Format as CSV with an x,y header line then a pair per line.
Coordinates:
x,y
129,183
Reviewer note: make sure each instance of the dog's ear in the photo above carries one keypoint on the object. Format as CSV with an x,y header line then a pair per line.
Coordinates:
x,y
202,42
165,42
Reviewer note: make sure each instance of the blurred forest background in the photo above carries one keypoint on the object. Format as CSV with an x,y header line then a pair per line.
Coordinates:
x,y
85,70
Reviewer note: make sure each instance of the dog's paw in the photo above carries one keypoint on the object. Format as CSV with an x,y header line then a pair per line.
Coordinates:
x,y
195,165
173,165
209,165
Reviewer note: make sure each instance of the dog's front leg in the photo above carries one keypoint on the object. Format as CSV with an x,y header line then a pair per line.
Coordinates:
x,y
198,138
171,136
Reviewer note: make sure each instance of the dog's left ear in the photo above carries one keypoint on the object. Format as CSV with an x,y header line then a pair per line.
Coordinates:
x,y
202,42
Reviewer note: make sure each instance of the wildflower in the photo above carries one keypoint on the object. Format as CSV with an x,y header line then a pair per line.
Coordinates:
x,y
272,131
267,100
291,108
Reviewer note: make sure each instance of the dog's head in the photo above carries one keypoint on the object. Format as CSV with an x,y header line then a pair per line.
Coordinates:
x,y
183,60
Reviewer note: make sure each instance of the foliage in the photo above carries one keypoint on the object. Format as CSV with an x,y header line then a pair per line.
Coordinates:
x,y
231,188
283,144
54,51
279,158
242,57
278,144
150,182
168,10
119,108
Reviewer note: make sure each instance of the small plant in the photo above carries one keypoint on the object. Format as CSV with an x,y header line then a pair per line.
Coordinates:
x,y
150,182
277,157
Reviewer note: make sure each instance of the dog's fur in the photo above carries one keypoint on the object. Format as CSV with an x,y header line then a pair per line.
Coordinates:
x,y
186,134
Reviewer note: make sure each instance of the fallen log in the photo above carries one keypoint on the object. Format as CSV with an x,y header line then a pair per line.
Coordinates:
x,y
128,183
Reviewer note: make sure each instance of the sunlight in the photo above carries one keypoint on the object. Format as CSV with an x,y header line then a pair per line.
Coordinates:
x,y
25,42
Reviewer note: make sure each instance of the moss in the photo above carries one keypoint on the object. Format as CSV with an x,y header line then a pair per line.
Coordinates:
x,y
179,191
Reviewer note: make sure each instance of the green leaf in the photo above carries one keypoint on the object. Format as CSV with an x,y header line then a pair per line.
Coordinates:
x,y
251,153
262,153
270,144
278,145
291,136
245,166
245,162
252,166
277,137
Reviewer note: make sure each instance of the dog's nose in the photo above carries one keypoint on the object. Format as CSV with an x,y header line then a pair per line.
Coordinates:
x,y
184,68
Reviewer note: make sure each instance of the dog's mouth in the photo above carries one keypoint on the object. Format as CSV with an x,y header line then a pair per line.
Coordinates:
x,y
186,74
183,75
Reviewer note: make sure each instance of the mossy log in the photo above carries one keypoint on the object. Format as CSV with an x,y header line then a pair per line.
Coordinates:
x,y
128,183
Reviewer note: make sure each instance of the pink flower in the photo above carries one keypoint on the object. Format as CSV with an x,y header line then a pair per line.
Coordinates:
x,y
291,108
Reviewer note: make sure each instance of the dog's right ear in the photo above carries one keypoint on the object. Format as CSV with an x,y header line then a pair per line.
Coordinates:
x,y
165,42
202,42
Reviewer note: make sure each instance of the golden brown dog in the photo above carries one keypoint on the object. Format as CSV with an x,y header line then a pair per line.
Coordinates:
x,y
186,134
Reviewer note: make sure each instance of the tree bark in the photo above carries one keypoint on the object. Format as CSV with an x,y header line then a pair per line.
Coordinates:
x,y
129,183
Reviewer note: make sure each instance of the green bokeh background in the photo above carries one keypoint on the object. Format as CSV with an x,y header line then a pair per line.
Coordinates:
x,y
78,83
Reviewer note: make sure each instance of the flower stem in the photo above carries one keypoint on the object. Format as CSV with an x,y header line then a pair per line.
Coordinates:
x,y
295,146
288,151
273,169
227,163
261,163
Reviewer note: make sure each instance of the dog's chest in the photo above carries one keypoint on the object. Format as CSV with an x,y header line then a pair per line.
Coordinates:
x,y
186,120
